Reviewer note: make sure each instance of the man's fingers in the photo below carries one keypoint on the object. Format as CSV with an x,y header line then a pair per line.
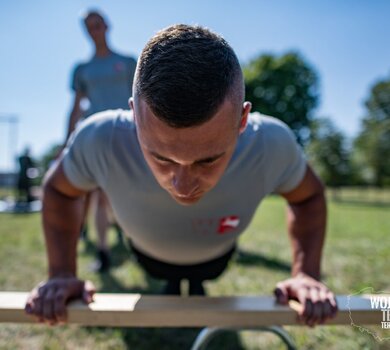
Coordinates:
x,y
302,296
48,301
60,306
327,311
29,308
48,306
37,303
316,313
281,293
308,312
324,306
88,292
317,302
333,303
74,288
327,308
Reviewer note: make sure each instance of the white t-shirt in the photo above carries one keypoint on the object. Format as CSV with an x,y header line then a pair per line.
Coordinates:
x,y
105,152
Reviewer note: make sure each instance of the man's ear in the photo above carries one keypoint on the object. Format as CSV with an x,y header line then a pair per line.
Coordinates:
x,y
246,108
132,107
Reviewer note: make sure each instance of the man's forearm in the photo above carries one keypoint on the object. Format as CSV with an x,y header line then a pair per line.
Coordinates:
x,y
62,218
306,225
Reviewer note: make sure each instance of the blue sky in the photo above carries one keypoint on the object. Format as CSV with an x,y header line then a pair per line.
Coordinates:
x,y
346,41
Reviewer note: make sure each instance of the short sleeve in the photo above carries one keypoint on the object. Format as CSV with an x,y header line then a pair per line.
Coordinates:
x,y
86,155
77,83
286,163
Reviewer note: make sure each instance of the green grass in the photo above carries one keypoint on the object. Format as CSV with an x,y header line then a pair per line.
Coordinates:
x,y
356,256
7,192
368,195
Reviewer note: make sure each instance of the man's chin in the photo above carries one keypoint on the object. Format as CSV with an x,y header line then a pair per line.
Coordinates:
x,y
186,200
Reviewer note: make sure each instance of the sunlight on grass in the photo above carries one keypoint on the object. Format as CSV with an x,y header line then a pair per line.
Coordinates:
x,y
356,256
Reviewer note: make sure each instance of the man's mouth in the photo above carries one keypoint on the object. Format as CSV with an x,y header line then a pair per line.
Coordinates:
x,y
187,199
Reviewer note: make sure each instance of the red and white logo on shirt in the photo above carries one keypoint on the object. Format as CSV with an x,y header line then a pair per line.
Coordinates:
x,y
119,67
228,223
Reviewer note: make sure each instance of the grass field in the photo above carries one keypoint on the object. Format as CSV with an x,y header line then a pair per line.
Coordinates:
x,y
356,256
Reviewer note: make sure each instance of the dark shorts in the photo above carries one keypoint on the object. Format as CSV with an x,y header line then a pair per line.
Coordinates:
x,y
199,272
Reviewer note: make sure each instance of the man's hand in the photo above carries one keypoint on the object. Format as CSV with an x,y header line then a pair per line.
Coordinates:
x,y
47,301
318,302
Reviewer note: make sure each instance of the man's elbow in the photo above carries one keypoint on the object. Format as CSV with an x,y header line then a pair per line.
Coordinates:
x,y
310,189
320,190
317,185
56,182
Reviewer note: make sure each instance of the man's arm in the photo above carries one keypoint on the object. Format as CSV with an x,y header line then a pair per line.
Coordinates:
x,y
62,215
306,227
306,219
75,113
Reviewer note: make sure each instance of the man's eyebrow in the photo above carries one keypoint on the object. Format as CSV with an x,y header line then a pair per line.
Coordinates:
x,y
202,160
210,159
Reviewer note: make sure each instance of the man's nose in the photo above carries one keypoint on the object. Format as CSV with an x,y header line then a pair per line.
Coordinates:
x,y
184,181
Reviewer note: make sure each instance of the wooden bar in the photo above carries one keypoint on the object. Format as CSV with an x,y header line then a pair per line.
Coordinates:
x,y
136,310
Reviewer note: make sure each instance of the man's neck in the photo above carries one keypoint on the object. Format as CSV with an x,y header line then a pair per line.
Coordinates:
x,y
102,50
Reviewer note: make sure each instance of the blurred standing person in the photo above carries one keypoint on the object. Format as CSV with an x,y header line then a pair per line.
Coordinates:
x,y
24,179
106,81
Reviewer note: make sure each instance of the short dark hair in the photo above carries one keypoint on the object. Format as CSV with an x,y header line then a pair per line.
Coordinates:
x,y
93,13
184,74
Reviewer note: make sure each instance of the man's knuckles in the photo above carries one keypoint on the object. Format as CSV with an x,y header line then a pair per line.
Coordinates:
x,y
60,298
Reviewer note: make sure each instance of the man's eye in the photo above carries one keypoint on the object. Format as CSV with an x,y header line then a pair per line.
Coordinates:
x,y
163,160
208,162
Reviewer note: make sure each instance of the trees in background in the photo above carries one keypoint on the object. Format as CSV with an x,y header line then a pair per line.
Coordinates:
x,y
285,87
328,153
372,145
49,157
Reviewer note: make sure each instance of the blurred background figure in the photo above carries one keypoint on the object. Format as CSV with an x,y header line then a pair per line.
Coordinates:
x,y
24,184
104,82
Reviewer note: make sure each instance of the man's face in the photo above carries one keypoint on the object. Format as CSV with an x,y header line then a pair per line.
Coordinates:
x,y
96,28
188,162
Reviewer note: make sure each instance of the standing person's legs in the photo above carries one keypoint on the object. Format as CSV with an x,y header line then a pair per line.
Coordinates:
x,y
84,225
101,220
112,222
196,274
102,225
22,190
